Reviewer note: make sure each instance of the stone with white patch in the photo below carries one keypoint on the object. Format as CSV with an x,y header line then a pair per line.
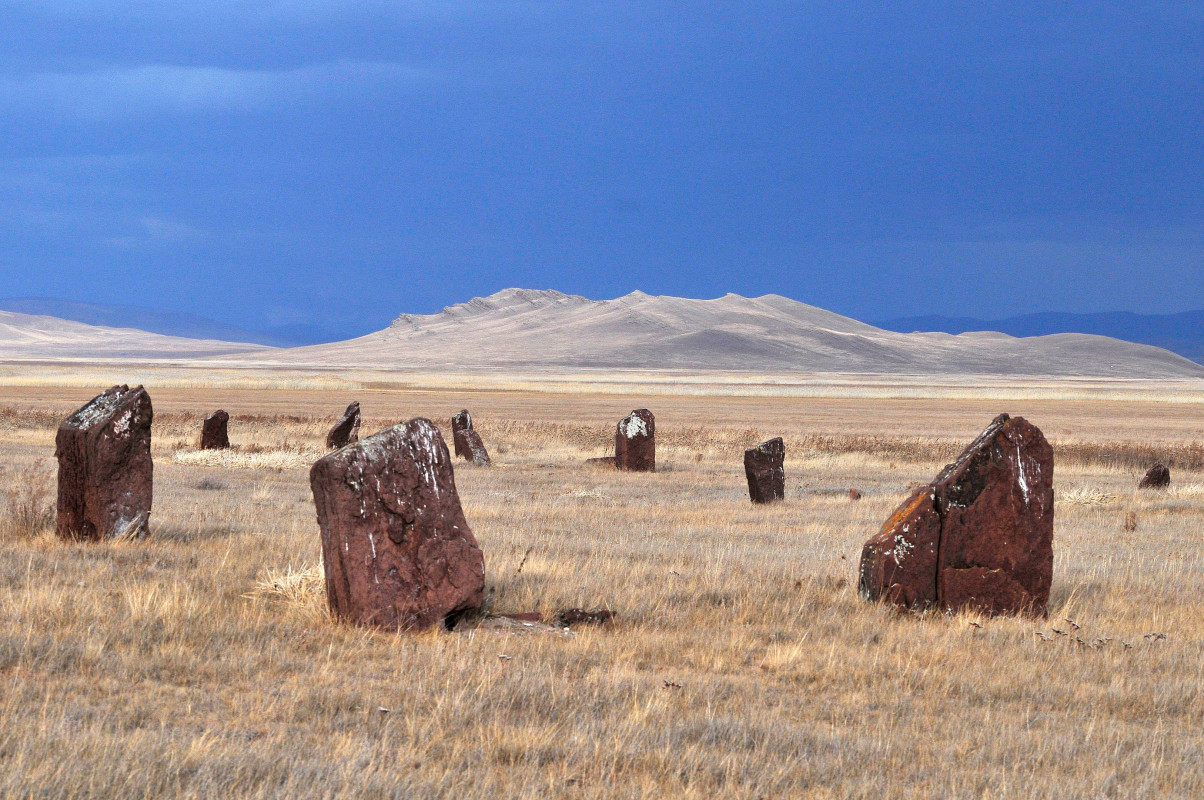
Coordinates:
x,y
397,551
980,536
106,476
635,442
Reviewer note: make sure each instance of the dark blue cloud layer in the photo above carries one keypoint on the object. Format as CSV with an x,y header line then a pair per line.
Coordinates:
x,y
339,162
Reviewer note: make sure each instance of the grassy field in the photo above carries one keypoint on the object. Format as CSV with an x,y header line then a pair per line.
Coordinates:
x,y
201,663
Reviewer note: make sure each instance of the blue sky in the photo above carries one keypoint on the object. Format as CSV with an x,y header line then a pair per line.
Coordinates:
x,y
267,163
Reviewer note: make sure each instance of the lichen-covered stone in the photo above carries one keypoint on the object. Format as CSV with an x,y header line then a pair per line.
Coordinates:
x,y
764,468
979,537
106,476
635,442
346,430
1157,477
214,435
397,551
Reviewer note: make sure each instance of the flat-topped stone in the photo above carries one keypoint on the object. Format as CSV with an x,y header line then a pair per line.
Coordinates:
x,y
106,475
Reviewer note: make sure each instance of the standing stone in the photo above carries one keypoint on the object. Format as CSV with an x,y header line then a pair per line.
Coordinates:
x,y
763,466
105,468
1158,477
635,442
979,537
460,422
470,447
397,550
213,434
346,430
467,441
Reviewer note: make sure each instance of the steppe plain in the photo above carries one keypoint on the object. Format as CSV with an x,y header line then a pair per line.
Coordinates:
x,y
200,662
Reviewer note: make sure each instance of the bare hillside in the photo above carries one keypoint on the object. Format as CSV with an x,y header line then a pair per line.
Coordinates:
x,y
525,329
25,337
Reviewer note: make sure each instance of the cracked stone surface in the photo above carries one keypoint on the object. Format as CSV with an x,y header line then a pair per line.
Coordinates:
x,y
979,537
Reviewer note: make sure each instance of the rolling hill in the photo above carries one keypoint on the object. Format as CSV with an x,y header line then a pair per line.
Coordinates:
x,y
522,329
27,337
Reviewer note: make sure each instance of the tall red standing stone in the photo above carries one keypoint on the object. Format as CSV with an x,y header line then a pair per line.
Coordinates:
x,y
635,442
765,470
346,430
214,435
106,476
979,537
397,550
460,421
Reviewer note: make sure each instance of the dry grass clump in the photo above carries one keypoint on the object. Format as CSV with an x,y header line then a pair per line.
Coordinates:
x,y
1088,496
27,502
291,458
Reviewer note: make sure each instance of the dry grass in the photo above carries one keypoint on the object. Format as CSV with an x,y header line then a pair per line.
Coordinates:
x,y
201,662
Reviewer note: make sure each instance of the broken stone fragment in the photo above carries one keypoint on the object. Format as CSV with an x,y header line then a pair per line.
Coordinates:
x,y
979,537
635,442
397,551
106,476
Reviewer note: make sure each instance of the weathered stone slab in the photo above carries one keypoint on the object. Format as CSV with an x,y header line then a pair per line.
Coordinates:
x,y
346,430
635,442
979,537
214,434
106,476
397,551
764,468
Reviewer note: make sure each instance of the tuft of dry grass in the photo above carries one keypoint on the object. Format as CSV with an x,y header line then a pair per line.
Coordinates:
x,y
27,502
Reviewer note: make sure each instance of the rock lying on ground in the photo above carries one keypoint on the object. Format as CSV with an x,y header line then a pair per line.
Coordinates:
x,y
854,494
979,537
346,430
635,442
1158,477
214,435
397,551
106,476
764,468
580,616
603,461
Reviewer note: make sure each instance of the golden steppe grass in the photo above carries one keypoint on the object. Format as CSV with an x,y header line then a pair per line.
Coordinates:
x,y
201,662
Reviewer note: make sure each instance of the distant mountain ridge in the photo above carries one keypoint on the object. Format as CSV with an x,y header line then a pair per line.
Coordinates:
x,y
166,323
30,337
1181,333
521,329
